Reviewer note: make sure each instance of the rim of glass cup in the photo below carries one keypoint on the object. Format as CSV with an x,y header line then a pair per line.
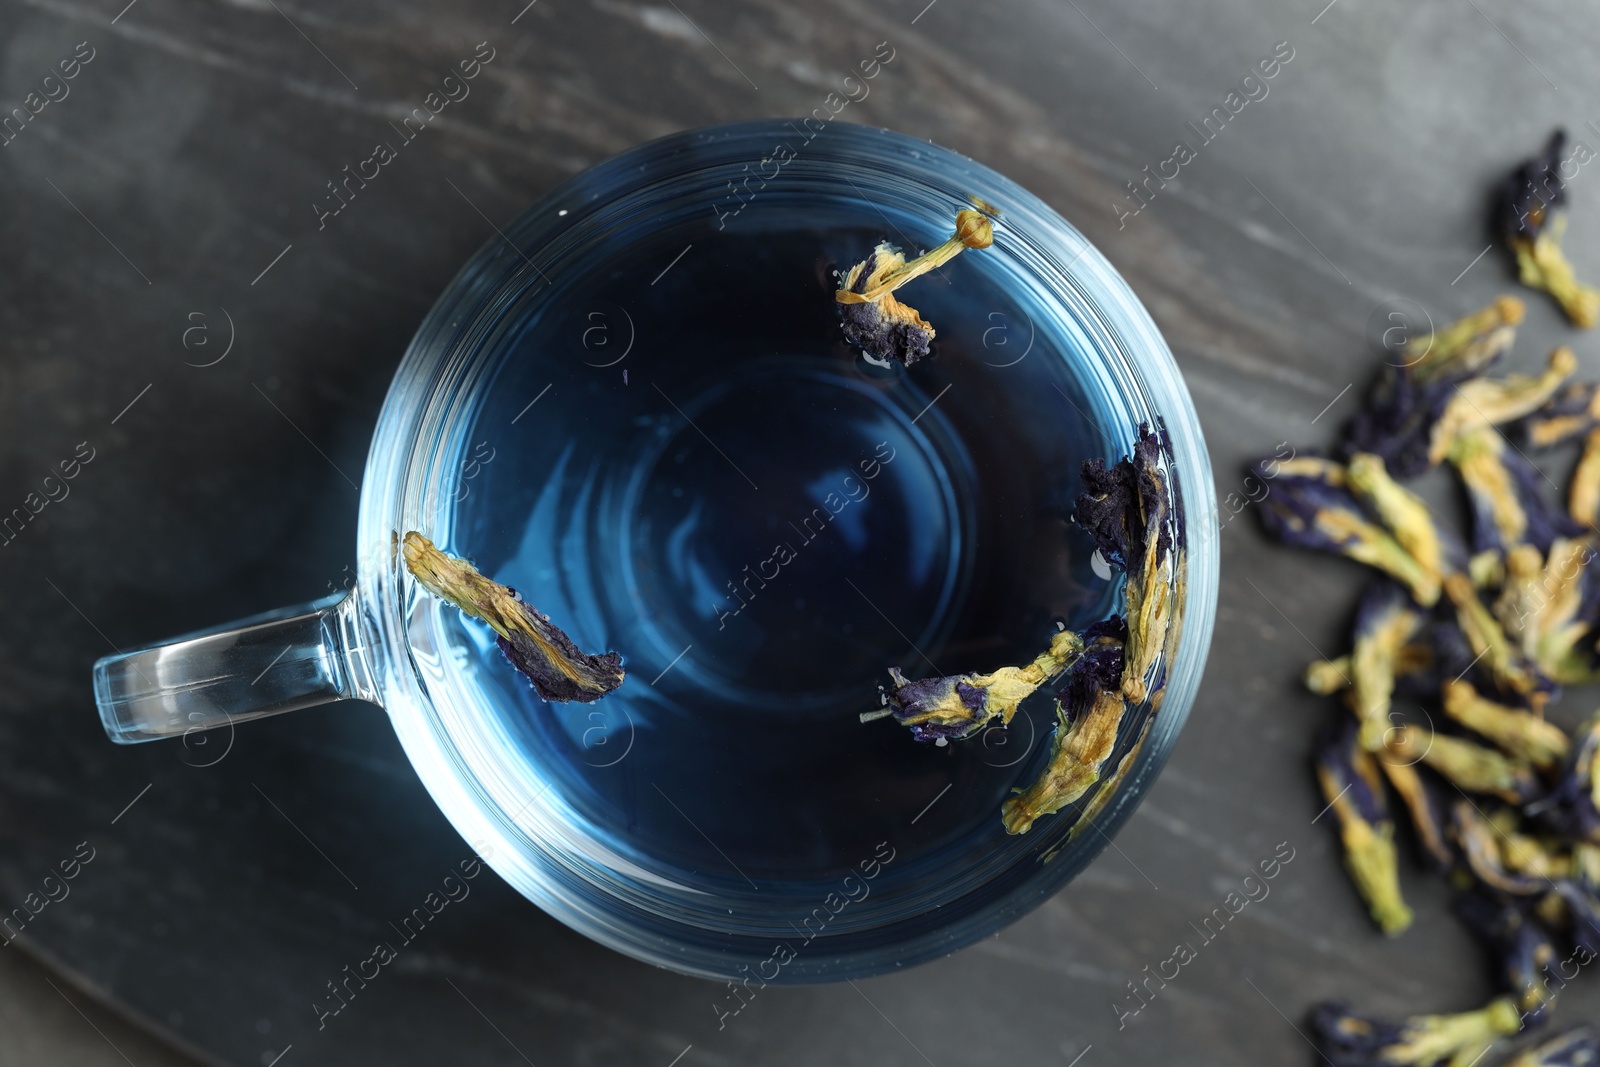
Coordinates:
x,y
408,473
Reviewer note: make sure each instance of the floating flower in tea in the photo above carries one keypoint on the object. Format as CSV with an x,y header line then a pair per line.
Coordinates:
x,y
558,669
873,319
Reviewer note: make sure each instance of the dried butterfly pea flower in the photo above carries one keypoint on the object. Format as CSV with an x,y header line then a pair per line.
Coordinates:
x,y
1404,513
1354,790
1385,621
1549,607
558,669
1468,765
960,705
1109,784
1578,1047
1312,507
1423,804
1125,508
1348,1039
1536,857
1572,808
1583,492
1088,715
1467,347
1408,399
1414,672
1481,847
1522,947
1567,416
1528,217
1481,402
1580,893
873,319
1514,674
1508,506
1518,732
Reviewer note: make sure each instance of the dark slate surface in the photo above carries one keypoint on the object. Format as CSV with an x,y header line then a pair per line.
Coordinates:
x,y
186,159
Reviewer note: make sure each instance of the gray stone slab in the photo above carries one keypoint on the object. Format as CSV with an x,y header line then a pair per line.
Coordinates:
x,y
185,162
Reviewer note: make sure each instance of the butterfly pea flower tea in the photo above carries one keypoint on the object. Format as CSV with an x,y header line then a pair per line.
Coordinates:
x,y
627,657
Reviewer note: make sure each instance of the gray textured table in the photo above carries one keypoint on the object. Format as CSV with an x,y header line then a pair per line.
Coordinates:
x,y
172,188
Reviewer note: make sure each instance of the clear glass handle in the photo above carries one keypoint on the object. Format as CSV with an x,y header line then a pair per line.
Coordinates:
x,y
284,660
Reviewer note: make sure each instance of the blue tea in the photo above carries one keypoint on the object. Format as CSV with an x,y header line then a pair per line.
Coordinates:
x,y
675,454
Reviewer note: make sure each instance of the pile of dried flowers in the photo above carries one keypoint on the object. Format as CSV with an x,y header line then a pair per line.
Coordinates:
x,y
1480,634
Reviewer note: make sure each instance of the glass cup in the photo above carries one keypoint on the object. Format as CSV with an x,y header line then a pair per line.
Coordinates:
x,y
727,813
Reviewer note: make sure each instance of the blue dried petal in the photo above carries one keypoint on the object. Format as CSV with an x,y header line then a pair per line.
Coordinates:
x,y
1398,419
1311,507
912,699
1480,847
885,329
1386,620
1098,670
558,669
1114,502
1578,1047
1572,807
1340,759
1347,1038
1567,416
1522,206
1424,801
1583,905
1506,494
1513,673
958,706
1125,508
1523,949
1453,658
1353,787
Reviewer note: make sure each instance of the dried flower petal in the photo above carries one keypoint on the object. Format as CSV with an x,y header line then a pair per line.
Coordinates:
x,y
1508,506
558,669
1581,894
1407,400
1578,1047
1518,732
883,326
1311,506
960,705
1404,513
1385,621
1351,1040
1088,715
1354,790
1527,215
1426,809
1514,674
1572,809
1109,783
1481,402
1125,508
1470,766
1523,947
1570,414
1550,607
1467,347
1480,842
